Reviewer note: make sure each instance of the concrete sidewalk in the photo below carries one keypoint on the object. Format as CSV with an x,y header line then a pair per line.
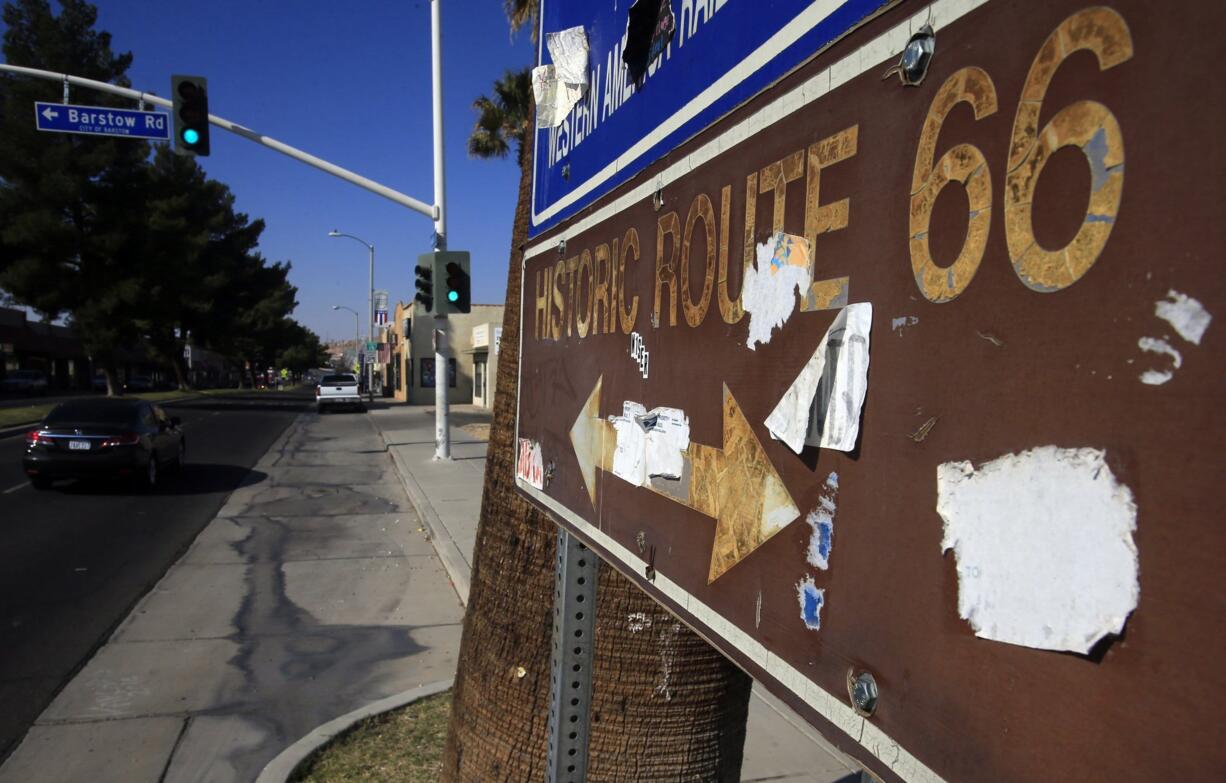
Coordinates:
x,y
312,594
779,745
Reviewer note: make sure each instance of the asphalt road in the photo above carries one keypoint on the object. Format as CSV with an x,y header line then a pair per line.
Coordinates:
x,y
75,559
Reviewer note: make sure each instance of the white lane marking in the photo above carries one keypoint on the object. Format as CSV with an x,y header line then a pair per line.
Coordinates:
x,y
15,488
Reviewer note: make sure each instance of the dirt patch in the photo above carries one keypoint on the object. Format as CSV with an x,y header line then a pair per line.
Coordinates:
x,y
481,431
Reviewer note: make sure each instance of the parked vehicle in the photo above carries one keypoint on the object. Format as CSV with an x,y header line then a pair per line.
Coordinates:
x,y
337,390
103,438
24,382
138,383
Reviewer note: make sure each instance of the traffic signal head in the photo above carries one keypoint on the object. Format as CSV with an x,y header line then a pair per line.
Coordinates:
x,y
459,284
425,284
190,99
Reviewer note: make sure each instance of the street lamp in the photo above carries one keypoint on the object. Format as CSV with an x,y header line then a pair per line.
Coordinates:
x,y
370,325
357,334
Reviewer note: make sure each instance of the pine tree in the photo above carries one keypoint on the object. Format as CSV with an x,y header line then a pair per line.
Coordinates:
x,y
67,202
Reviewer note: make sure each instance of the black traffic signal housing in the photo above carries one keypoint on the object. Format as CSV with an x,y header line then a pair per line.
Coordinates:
x,y
458,291
425,282
190,99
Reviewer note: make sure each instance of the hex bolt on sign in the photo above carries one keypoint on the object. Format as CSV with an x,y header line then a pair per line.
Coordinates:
x,y
862,689
912,67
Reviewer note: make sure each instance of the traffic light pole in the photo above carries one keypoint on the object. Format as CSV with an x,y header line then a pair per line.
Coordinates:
x,y
436,212
428,210
442,374
442,381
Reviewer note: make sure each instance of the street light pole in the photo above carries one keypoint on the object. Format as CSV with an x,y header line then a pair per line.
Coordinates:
x,y
370,323
357,332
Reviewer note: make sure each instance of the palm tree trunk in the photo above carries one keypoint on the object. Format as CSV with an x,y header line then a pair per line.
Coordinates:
x,y
665,705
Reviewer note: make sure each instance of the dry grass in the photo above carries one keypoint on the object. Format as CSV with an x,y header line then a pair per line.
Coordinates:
x,y
401,746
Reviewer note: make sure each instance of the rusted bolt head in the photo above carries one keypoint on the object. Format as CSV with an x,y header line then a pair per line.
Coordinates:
x,y
864,693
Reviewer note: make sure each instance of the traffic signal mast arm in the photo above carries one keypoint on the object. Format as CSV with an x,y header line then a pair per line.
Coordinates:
x,y
428,210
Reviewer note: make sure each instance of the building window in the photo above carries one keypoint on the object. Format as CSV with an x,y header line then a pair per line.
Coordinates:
x,y
479,377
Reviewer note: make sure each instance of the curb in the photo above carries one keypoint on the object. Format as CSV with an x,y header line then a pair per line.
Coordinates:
x,y
444,545
280,768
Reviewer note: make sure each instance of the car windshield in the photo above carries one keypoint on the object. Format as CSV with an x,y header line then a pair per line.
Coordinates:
x,y
92,412
330,380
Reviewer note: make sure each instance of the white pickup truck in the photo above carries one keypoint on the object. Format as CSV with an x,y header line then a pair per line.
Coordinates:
x,y
337,390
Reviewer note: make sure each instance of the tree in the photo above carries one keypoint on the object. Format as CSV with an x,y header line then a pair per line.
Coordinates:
x,y
302,350
184,212
66,201
693,730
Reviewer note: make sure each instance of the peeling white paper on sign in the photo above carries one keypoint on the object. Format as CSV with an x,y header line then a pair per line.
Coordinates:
x,y
822,406
568,50
1186,316
668,438
1154,345
769,292
650,443
557,87
630,455
1044,546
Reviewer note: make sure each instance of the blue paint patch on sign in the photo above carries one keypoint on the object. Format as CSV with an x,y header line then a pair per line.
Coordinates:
x,y
821,520
812,599
722,53
822,541
101,121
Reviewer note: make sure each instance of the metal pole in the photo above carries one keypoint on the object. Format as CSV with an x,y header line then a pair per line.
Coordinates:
x,y
442,426
370,331
442,438
570,682
436,67
259,138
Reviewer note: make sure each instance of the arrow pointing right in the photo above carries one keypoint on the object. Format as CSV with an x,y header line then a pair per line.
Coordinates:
x,y
736,485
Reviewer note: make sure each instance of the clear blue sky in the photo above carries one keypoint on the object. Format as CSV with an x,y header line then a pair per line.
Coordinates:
x,y
350,83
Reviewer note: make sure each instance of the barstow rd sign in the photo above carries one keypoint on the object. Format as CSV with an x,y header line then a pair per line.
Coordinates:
x,y
920,384
101,121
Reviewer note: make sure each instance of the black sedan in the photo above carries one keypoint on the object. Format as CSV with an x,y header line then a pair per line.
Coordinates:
x,y
103,439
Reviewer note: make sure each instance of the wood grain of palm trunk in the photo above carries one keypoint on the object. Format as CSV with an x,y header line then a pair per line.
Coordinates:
x,y
665,704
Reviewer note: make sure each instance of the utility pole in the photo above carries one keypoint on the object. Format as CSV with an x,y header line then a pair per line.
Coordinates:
x,y
442,374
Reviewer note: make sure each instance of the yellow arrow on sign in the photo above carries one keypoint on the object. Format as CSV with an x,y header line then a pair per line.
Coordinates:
x,y
736,485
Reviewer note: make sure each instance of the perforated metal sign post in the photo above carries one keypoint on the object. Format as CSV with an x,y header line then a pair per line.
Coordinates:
x,y
906,397
570,684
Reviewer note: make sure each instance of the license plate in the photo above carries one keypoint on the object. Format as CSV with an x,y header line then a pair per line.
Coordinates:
x,y
78,445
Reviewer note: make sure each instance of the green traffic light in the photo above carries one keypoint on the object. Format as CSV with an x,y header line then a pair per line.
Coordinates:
x,y
191,136
453,296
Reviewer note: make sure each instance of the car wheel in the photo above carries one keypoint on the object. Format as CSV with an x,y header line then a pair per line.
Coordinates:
x,y
39,482
151,472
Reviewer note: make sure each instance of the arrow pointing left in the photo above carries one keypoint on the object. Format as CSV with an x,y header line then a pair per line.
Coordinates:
x,y
50,115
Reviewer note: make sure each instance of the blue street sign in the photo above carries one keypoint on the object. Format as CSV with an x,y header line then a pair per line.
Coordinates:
x,y
101,121
720,54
